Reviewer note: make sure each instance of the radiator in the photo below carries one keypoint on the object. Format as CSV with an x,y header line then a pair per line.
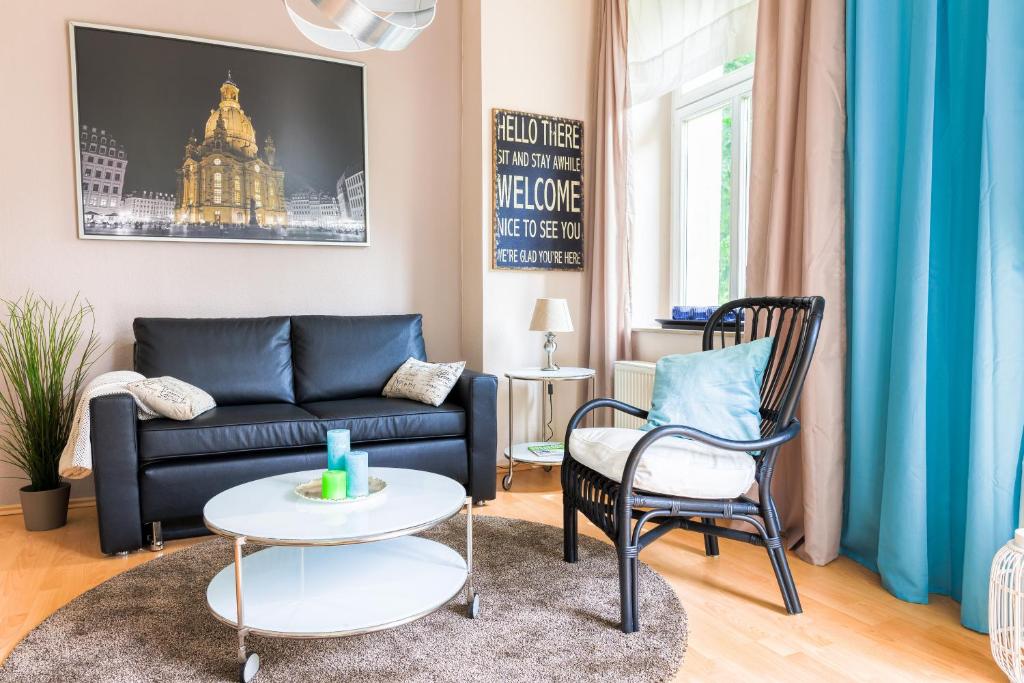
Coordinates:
x,y
634,384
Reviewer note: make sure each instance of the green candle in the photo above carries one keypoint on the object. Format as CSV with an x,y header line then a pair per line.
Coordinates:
x,y
332,485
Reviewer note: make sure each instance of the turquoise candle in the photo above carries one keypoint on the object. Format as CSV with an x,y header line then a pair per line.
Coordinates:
x,y
333,485
339,443
357,465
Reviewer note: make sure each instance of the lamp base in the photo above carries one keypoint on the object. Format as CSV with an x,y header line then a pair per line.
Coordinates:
x,y
549,348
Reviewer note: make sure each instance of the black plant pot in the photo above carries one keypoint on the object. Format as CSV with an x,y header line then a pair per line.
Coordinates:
x,y
44,510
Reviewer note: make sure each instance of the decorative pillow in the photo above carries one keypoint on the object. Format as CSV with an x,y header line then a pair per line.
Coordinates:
x,y
171,397
424,382
718,392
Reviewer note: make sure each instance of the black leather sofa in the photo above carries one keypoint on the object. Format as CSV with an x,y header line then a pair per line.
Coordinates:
x,y
280,383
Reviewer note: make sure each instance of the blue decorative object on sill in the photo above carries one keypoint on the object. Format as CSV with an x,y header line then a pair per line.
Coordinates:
x,y
694,317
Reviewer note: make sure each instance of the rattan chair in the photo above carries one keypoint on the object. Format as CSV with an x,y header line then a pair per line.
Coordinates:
x,y
622,512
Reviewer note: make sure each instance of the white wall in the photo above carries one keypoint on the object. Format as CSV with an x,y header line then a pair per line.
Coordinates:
x,y
414,133
533,56
651,181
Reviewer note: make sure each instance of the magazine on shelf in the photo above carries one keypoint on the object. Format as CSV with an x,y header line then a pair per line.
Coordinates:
x,y
548,449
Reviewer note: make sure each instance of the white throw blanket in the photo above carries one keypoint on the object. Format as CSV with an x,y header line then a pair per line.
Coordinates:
x,y
76,459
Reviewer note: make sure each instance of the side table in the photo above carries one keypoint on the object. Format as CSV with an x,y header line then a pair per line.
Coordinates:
x,y
521,451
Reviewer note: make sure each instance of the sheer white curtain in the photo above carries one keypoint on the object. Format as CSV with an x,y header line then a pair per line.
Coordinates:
x,y
674,41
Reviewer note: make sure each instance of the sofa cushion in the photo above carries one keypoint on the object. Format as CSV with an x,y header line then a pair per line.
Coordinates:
x,y
337,357
270,426
235,360
228,429
384,419
175,489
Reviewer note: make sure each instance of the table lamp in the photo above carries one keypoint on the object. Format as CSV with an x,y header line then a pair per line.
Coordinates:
x,y
550,316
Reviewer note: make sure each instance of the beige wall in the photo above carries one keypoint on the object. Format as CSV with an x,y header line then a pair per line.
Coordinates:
x,y
414,136
533,56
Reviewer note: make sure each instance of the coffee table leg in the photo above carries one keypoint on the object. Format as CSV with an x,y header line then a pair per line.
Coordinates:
x,y
248,664
472,598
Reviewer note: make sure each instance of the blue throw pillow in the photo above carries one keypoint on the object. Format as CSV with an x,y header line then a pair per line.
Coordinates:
x,y
718,392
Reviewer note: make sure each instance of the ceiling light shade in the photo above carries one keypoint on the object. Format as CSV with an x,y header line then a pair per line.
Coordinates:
x,y
357,25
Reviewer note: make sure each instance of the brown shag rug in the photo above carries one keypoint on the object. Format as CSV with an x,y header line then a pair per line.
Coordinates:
x,y
541,620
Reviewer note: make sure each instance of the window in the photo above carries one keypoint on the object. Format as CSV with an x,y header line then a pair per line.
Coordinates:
x,y
88,172
711,130
106,175
95,187
217,187
117,176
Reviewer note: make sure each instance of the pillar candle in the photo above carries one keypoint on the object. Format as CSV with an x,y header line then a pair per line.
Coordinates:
x,y
338,444
357,463
333,485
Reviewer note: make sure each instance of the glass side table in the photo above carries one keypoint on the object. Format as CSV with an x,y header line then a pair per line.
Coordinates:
x,y
532,452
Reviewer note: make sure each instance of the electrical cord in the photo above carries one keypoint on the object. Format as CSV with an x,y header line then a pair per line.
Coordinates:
x,y
550,433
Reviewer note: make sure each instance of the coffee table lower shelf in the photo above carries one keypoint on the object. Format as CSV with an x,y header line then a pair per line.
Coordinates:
x,y
333,591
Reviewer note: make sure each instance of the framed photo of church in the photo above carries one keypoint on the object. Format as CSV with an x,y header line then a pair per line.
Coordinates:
x,y
187,139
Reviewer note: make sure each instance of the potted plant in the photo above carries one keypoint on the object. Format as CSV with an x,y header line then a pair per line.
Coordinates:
x,y
45,352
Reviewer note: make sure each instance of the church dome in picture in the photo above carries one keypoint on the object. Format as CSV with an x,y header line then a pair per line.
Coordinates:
x,y
240,133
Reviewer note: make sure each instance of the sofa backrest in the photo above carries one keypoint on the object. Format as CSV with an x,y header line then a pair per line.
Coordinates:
x,y
235,360
336,357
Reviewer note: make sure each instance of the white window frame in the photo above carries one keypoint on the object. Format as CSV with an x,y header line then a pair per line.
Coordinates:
x,y
734,88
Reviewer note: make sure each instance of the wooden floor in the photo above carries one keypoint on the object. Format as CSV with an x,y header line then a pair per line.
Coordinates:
x,y
851,629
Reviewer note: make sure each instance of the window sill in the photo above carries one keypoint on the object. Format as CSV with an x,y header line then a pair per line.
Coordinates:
x,y
662,330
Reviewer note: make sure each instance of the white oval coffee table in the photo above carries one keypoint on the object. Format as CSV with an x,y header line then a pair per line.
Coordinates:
x,y
336,569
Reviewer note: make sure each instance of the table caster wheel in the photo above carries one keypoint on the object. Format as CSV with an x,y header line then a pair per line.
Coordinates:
x,y
547,468
473,608
248,669
506,482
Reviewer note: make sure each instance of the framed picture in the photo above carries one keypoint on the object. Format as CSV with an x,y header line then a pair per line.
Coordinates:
x,y
538,192
186,139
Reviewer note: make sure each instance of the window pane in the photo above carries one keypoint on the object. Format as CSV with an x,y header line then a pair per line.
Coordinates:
x,y
706,207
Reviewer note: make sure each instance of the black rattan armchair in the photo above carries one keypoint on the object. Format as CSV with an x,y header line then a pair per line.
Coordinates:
x,y
622,512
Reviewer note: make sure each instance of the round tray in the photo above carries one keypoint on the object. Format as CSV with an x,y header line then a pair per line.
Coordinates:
x,y
311,491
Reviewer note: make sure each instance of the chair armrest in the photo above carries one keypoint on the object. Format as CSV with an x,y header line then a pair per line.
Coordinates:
x,y
115,467
477,393
658,433
590,406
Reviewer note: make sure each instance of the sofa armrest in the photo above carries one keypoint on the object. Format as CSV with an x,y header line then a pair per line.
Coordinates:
x,y
477,393
115,468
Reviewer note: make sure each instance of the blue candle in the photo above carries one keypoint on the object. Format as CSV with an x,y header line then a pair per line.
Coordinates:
x,y
339,443
358,465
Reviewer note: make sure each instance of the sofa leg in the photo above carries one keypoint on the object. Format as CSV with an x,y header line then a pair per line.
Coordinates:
x,y
156,537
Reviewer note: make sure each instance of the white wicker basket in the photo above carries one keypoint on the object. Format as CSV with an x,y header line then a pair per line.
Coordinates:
x,y
1006,608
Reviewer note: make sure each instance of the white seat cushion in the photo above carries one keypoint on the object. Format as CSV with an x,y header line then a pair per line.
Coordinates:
x,y
672,466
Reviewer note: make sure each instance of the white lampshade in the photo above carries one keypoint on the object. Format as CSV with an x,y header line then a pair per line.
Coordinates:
x,y
551,315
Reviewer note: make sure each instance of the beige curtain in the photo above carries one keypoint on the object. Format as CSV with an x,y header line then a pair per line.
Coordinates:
x,y
607,239
796,241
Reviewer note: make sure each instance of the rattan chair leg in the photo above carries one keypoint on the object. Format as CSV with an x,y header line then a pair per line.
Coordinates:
x,y
570,532
777,555
636,593
710,540
627,587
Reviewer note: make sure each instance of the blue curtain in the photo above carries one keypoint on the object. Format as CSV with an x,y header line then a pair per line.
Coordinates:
x,y
935,251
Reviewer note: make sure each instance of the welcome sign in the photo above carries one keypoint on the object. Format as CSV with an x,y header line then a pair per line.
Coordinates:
x,y
538,192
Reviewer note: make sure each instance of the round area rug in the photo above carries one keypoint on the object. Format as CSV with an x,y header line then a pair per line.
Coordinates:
x,y
541,620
